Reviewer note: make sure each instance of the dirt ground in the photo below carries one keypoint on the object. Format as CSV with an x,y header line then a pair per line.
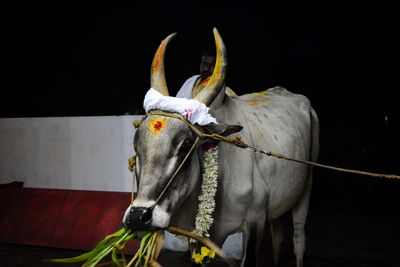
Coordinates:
x,y
333,239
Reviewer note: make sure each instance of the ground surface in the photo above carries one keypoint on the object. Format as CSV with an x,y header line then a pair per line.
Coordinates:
x,y
333,239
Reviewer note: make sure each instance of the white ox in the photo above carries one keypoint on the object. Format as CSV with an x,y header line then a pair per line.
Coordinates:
x,y
252,188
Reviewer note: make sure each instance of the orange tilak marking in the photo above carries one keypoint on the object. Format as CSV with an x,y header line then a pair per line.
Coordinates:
x,y
156,126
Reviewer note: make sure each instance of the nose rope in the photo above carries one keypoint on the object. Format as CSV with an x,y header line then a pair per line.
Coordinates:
x,y
176,172
133,185
132,168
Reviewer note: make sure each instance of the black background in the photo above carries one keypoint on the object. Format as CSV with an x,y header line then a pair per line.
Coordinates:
x,y
65,58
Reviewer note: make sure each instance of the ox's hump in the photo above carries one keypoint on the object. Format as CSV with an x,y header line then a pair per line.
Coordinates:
x,y
275,96
277,90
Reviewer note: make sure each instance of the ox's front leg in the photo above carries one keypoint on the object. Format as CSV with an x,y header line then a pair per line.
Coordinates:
x,y
254,232
277,235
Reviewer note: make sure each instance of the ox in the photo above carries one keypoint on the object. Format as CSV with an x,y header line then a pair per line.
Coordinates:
x,y
253,188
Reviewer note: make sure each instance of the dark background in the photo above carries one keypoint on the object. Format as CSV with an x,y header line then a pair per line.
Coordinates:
x,y
64,58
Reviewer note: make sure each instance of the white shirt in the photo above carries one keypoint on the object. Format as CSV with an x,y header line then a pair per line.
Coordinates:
x,y
187,87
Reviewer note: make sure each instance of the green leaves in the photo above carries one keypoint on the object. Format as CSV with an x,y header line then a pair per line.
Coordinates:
x,y
143,247
150,248
111,244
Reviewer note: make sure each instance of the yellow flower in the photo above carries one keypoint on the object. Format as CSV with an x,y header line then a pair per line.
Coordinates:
x,y
198,258
211,254
204,251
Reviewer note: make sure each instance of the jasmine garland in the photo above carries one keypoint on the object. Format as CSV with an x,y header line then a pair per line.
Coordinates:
x,y
209,185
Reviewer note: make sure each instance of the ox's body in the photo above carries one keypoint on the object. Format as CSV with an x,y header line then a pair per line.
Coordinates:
x,y
252,188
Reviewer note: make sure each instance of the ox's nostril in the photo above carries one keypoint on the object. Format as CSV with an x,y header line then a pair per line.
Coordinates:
x,y
139,218
146,216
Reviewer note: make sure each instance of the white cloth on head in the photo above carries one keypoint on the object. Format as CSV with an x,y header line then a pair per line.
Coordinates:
x,y
186,89
193,110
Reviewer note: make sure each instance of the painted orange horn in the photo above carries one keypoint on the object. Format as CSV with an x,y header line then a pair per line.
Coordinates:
x,y
216,82
157,75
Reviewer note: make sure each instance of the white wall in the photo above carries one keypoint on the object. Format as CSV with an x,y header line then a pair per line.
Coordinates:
x,y
82,153
85,153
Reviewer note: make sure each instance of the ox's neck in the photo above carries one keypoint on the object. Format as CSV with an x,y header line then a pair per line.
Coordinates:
x,y
185,216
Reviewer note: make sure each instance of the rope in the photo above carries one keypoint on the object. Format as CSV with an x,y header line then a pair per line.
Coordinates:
x,y
176,172
378,175
238,142
132,168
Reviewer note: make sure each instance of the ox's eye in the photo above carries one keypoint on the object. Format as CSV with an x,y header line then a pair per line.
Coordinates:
x,y
185,147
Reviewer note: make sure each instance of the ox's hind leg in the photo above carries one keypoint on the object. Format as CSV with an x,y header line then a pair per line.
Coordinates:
x,y
299,214
300,209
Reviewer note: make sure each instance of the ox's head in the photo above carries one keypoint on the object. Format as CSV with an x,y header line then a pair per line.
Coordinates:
x,y
161,144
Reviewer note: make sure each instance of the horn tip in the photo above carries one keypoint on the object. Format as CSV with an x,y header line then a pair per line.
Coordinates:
x,y
171,35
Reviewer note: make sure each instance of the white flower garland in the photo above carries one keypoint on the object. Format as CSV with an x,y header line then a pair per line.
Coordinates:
x,y
209,185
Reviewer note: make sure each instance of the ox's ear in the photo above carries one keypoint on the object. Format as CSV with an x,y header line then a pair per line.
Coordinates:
x,y
221,129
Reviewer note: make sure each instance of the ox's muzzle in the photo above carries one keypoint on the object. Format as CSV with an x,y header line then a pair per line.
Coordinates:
x,y
139,219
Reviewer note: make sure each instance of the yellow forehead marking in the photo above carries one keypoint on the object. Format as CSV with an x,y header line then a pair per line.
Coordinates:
x,y
156,125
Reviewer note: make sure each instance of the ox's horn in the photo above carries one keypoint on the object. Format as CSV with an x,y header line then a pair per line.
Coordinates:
x,y
157,76
216,82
